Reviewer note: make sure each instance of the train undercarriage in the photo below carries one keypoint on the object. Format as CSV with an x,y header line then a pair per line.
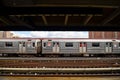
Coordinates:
x,y
59,55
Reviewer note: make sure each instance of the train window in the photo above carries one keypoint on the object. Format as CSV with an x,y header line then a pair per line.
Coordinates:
x,y
23,44
106,44
44,44
68,44
95,44
8,44
80,44
33,44
49,44
110,44
53,43
58,43
119,44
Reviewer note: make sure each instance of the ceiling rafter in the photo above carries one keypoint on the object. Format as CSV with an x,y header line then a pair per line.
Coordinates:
x,y
77,3
6,21
88,19
112,16
19,22
66,19
44,20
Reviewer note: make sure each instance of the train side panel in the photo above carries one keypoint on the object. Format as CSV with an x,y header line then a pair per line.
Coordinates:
x,y
95,47
116,47
20,46
69,47
26,47
47,47
29,47
35,46
9,47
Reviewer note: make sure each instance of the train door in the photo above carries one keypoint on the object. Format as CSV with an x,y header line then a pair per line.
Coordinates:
x,y
22,47
47,47
38,46
83,47
116,47
56,47
108,47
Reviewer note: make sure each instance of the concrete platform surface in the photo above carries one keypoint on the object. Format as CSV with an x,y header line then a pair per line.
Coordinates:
x,y
60,78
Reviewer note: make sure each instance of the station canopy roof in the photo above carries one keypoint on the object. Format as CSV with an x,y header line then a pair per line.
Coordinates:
x,y
60,15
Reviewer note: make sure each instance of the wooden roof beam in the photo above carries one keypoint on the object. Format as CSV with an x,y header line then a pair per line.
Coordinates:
x,y
80,3
66,19
112,16
44,20
6,21
21,23
88,19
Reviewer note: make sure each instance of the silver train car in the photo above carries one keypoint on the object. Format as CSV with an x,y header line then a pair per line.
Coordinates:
x,y
20,46
59,46
80,46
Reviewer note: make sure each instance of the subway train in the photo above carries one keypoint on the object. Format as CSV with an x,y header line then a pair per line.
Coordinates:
x,y
59,47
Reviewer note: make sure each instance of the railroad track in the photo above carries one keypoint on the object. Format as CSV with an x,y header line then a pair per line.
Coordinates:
x,y
59,58
31,66
60,63
60,71
60,74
